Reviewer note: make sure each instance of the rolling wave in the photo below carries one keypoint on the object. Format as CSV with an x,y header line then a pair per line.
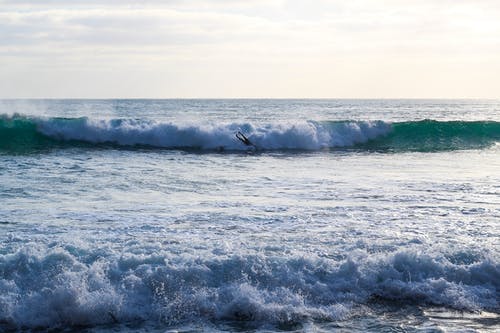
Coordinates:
x,y
61,287
23,134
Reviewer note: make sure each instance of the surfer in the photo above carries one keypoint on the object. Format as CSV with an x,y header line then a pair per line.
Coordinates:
x,y
244,139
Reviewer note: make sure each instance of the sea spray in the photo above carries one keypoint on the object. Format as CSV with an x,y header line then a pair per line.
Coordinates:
x,y
54,287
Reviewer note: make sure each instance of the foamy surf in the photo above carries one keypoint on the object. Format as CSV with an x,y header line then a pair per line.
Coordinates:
x,y
21,132
61,287
107,225
307,135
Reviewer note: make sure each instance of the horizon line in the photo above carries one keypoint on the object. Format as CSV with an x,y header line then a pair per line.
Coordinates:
x,y
249,98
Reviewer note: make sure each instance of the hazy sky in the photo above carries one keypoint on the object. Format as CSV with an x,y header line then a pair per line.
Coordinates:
x,y
250,48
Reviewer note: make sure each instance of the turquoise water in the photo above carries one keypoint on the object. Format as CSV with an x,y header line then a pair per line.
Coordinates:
x,y
149,215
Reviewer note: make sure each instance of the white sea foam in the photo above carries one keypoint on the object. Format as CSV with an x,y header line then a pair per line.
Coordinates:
x,y
54,287
306,135
156,240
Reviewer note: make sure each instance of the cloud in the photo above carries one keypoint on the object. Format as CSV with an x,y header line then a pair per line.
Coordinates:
x,y
126,26
124,23
180,38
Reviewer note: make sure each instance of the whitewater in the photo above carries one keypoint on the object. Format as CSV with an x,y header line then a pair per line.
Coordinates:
x,y
151,216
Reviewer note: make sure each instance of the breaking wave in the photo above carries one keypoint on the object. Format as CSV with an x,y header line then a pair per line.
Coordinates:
x,y
67,286
22,133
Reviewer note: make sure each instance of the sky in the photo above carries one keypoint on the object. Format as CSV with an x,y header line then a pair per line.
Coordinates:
x,y
250,49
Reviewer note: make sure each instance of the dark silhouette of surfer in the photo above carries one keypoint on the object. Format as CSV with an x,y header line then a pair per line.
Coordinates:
x,y
244,139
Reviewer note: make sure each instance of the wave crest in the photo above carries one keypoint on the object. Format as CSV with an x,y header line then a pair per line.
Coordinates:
x,y
57,287
20,132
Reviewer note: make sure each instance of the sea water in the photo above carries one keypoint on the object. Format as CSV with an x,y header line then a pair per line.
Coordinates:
x,y
344,215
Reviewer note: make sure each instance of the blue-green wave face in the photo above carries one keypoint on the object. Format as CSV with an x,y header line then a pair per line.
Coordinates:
x,y
431,135
21,134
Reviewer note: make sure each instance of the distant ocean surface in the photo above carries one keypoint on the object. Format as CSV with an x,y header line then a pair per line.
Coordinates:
x,y
343,215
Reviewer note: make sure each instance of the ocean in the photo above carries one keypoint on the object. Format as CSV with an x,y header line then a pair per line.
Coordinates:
x,y
342,216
